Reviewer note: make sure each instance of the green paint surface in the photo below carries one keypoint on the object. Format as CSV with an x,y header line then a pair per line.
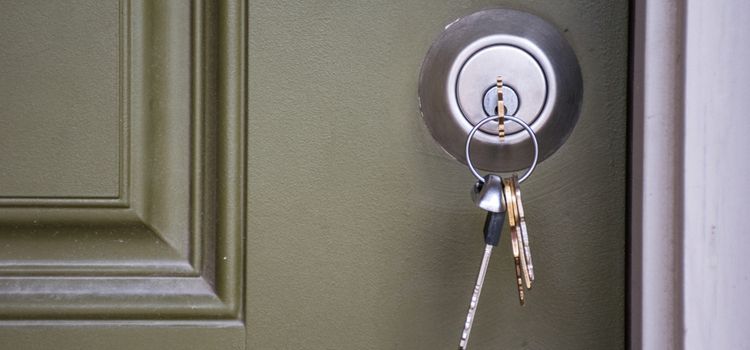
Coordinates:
x,y
59,98
361,231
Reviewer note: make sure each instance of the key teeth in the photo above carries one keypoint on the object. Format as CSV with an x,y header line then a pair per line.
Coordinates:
x,y
500,109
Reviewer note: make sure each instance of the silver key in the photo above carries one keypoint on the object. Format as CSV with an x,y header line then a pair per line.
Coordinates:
x,y
475,297
487,195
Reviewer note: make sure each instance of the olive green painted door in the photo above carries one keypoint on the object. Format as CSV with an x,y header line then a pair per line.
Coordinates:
x,y
230,175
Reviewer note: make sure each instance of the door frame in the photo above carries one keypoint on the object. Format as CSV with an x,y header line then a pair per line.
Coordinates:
x,y
655,162
688,271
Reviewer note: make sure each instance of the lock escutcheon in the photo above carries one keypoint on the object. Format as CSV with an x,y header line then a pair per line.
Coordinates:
x,y
534,60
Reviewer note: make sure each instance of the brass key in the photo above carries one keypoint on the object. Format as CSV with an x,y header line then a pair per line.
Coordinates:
x,y
500,110
524,229
514,238
519,234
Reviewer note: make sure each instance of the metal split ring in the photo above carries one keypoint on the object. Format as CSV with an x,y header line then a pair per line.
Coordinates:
x,y
507,117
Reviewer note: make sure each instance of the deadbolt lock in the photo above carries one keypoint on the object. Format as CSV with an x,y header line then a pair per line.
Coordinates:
x,y
542,85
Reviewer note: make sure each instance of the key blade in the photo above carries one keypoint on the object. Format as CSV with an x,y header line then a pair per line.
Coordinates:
x,y
519,230
500,110
527,249
514,238
524,229
511,217
521,297
475,297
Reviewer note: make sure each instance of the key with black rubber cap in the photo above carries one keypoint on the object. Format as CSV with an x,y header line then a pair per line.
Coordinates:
x,y
489,196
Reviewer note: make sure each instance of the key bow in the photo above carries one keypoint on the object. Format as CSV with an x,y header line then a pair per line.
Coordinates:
x,y
488,195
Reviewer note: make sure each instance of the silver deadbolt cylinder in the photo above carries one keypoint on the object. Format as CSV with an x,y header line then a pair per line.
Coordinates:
x,y
510,102
542,82
523,76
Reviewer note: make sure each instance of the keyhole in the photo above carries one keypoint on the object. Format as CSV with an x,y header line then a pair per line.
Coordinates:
x,y
505,110
510,101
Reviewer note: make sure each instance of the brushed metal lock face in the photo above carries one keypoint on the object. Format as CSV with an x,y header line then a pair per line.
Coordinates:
x,y
520,72
510,101
539,69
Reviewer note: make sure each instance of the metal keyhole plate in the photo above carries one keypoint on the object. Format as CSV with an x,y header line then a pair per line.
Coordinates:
x,y
510,102
519,71
535,61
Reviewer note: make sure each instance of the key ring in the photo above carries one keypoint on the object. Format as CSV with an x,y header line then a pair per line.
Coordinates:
x,y
507,117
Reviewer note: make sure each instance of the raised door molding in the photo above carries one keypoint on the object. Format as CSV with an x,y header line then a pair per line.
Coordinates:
x,y
165,241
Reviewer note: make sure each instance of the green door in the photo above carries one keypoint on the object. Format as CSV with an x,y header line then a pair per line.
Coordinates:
x,y
231,175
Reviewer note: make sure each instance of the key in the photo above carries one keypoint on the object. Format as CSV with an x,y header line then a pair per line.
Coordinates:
x,y
489,195
524,230
486,195
514,239
513,202
500,110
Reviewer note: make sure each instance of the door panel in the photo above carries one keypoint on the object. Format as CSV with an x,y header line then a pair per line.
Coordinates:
x,y
121,335
121,95
361,229
257,175
72,66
